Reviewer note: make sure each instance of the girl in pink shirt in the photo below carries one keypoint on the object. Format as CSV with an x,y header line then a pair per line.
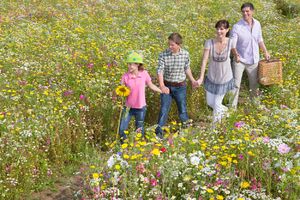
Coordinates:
x,y
136,79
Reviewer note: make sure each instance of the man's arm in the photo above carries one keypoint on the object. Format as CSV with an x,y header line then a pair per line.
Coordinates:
x,y
262,47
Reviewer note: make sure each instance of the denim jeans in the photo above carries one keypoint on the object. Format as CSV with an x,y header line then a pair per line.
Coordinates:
x,y
139,115
179,95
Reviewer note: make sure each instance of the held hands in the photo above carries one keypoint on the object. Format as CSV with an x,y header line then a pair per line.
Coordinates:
x,y
200,81
237,58
236,55
195,84
164,90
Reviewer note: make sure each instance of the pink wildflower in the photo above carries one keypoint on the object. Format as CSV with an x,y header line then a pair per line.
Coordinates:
x,y
241,157
68,92
158,174
239,124
266,139
141,168
81,97
146,180
90,65
285,169
283,148
283,106
153,182
159,197
170,141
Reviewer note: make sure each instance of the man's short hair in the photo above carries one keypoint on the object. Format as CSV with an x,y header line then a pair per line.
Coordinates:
x,y
248,4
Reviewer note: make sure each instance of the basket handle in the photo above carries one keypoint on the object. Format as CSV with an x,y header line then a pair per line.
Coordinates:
x,y
272,60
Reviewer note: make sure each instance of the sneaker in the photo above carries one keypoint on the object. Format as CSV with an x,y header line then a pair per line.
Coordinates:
x,y
159,136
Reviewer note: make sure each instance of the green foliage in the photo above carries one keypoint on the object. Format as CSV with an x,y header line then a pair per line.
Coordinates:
x,y
288,8
60,62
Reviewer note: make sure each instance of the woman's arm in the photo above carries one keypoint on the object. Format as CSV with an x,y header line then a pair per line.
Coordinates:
x,y
235,54
203,65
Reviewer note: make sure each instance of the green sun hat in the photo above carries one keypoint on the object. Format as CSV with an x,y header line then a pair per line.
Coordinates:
x,y
134,57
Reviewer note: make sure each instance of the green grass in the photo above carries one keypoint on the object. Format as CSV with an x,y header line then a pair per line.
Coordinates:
x,y
53,52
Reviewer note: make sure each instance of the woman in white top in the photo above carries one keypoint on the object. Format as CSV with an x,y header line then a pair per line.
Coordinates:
x,y
219,79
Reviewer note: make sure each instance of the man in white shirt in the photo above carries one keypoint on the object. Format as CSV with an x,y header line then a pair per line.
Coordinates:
x,y
248,37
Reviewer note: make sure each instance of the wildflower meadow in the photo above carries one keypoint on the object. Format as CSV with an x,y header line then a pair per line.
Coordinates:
x,y
60,102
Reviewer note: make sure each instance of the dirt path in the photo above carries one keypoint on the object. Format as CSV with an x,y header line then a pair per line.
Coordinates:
x,y
64,189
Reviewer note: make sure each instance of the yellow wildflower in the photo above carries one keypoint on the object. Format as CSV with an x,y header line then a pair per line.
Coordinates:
x,y
124,146
220,197
245,184
117,167
95,175
173,123
183,139
209,190
139,135
142,143
187,178
216,147
155,151
133,157
103,186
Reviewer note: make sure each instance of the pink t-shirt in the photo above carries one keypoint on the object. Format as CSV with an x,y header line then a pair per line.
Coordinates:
x,y
137,85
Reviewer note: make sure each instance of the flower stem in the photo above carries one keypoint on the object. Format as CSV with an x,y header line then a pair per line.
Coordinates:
x,y
120,118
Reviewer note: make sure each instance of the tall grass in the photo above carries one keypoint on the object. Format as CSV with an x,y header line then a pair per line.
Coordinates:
x,y
61,60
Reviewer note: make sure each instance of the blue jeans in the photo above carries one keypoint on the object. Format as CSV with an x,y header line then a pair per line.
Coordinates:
x,y
139,115
179,95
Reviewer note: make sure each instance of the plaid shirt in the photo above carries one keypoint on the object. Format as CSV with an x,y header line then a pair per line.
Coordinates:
x,y
173,66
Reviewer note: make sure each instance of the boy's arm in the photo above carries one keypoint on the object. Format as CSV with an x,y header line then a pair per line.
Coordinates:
x,y
162,86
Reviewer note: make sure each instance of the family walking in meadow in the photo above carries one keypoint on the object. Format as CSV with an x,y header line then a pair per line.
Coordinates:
x,y
228,55
150,99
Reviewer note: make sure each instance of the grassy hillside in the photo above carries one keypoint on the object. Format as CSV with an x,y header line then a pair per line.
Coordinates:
x,y
60,62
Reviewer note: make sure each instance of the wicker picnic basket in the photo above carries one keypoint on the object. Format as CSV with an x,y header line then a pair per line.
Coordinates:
x,y
270,72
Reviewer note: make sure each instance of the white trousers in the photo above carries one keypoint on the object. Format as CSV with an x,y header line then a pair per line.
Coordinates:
x,y
238,70
215,102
